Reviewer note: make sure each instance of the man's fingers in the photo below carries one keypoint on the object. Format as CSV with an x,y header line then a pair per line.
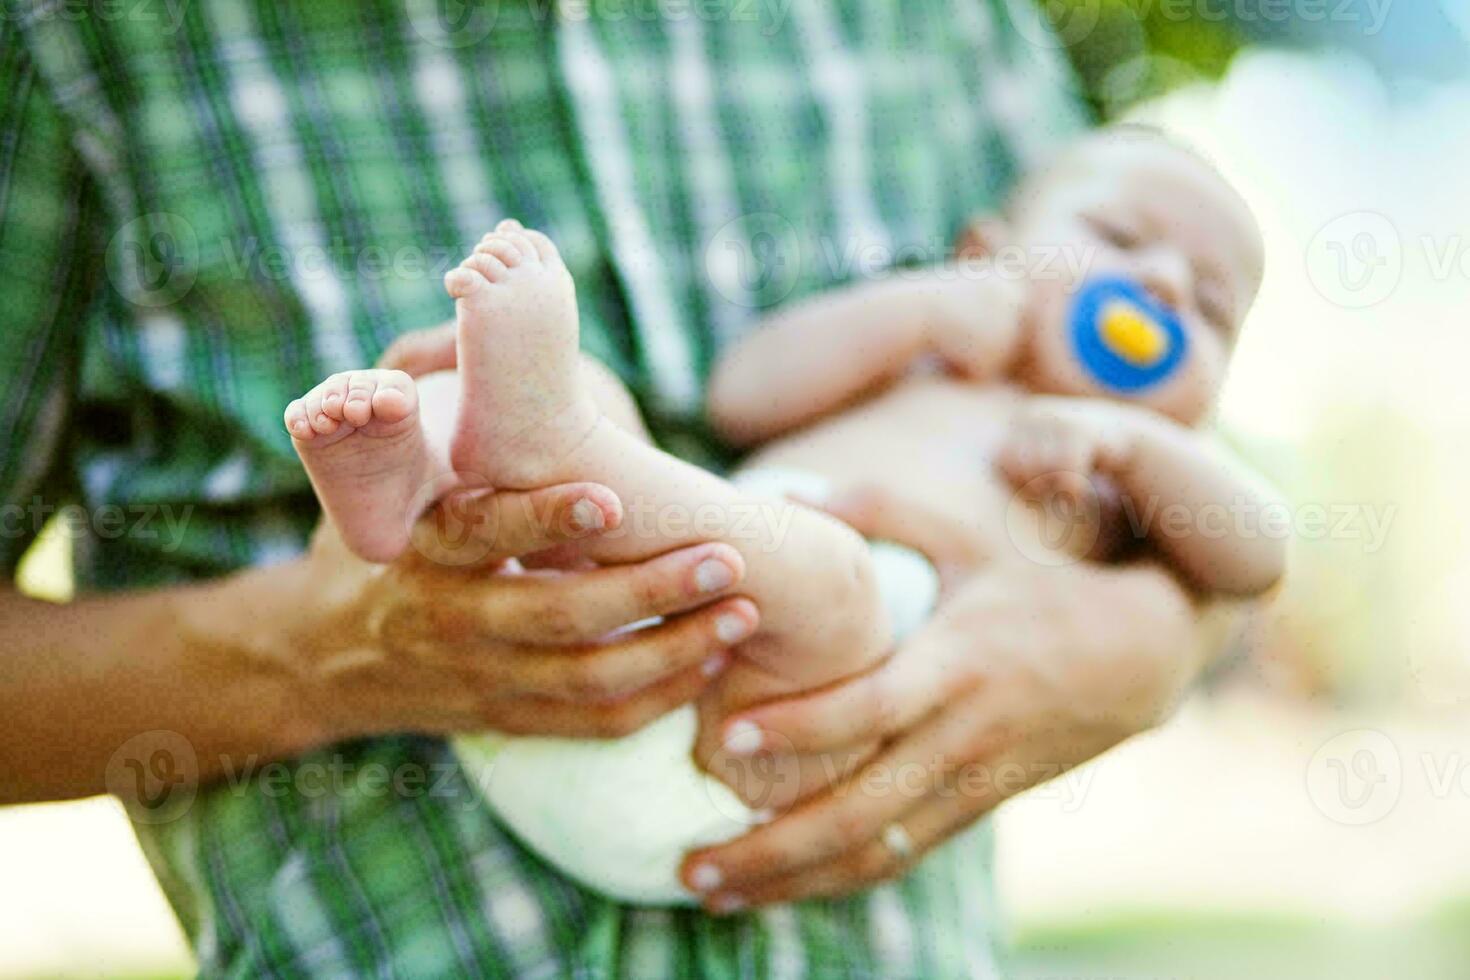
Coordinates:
x,y
468,528
921,830
950,545
578,607
609,719
889,699
958,799
778,782
830,825
943,759
635,660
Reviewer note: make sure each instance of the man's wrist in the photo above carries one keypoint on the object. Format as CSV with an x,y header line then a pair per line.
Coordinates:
x,y
250,639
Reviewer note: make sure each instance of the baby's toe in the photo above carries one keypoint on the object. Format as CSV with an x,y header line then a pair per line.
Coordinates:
x,y
357,409
514,232
527,247
395,396
333,393
321,423
296,421
545,249
488,266
500,247
473,273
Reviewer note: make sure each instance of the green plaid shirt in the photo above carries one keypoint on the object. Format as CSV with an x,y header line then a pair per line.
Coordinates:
x,y
207,207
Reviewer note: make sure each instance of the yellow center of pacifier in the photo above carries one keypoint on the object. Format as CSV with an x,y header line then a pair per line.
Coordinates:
x,y
1132,335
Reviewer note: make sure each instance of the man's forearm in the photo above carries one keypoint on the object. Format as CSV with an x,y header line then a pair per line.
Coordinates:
x,y
86,687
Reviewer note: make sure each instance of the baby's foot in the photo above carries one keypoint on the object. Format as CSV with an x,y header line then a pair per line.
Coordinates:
x,y
524,408
359,436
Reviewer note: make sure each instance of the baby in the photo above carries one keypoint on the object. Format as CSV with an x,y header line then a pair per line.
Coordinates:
x,y
1084,389
1056,386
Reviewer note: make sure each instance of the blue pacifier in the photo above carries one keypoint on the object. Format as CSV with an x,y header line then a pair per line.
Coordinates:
x,y
1126,339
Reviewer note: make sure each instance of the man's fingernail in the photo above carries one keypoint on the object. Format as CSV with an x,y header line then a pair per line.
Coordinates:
x,y
713,575
731,628
587,516
726,904
743,738
705,877
713,665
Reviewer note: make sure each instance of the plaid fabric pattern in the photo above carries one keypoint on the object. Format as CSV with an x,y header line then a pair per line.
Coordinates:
x,y
205,208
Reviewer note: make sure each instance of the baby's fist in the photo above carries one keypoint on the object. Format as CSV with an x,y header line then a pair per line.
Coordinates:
x,y
1056,445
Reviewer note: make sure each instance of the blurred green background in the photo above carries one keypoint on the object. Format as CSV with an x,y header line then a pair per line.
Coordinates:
x,y
1126,51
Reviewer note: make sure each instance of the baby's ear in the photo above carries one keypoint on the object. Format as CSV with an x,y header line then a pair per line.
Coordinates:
x,y
982,237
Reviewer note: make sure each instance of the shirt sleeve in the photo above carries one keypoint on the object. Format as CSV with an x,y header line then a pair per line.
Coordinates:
x,y
47,279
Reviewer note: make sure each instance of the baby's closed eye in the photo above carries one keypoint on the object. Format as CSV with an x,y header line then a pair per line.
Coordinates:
x,y
1213,302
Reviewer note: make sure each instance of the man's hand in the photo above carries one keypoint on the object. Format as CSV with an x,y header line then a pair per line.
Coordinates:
x,y
1024,672
451,638
486,644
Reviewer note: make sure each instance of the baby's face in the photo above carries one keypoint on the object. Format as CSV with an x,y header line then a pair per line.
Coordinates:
x,y
1140,209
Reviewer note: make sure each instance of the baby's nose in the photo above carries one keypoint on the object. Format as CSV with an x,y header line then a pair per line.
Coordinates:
x,y
1166,274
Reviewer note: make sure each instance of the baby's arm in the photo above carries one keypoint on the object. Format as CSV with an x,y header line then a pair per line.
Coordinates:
x,y
828,351
1178,491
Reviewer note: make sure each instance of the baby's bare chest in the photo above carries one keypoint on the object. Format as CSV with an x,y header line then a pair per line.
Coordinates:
x,y
931,440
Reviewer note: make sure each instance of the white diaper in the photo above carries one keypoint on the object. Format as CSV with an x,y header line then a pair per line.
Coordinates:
x,y
618,815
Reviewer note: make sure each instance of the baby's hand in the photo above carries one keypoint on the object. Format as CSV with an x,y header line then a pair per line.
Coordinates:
x,y
1056,445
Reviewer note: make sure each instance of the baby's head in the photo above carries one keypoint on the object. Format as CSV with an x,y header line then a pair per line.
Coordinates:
x,y
1171,260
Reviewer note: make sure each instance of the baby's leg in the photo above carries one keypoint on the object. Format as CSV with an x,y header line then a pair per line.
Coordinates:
x,y
360,437
526,407
529,419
